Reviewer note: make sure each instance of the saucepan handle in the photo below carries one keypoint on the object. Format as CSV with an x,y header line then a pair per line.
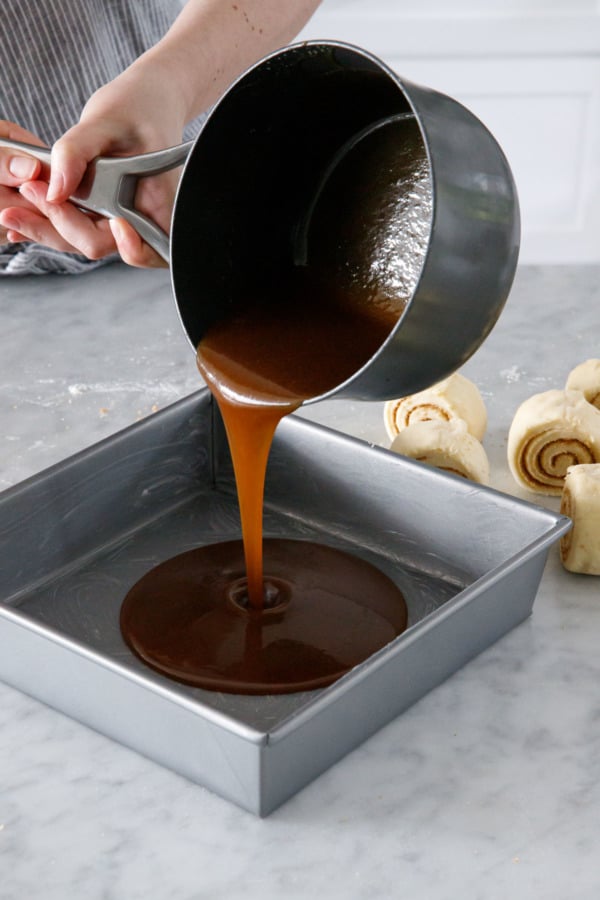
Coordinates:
x,y
109,185
114,184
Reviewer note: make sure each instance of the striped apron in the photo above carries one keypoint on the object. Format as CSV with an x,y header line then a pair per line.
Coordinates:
x,y
53,55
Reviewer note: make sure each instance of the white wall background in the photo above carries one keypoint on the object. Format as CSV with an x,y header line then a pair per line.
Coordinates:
x,y
530,69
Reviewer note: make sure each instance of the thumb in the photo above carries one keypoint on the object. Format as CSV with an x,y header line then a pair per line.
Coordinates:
x,y
70,157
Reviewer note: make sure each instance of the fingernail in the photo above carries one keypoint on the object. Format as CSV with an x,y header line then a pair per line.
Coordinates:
x,y
116,228
22,167
56,186
10,222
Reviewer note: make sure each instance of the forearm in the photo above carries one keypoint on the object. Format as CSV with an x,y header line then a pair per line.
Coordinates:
x,y
213,41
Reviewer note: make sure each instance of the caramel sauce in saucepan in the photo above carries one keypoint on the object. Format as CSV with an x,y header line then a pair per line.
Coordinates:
x,y
274,615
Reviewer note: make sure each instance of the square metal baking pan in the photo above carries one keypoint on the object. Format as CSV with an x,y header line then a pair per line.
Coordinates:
x,y
76,537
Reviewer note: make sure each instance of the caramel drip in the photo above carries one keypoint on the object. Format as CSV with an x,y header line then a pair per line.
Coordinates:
x,y
273,616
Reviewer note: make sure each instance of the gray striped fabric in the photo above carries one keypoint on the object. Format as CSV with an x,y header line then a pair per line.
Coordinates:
x,y
53,55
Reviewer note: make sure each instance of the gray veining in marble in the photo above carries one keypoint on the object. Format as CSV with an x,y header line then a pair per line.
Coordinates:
x,y
488,788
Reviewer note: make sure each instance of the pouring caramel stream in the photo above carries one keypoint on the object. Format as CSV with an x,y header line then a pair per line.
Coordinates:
x,y
261,365
275,615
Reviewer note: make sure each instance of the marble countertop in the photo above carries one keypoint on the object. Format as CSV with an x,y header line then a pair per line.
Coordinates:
x,y
487,788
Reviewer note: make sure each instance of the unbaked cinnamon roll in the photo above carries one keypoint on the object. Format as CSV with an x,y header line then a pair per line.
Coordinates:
x,y
550,432
586,378
445,445
580,547
454,398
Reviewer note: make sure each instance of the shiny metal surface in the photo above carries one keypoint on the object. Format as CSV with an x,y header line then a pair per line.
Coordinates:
x,y
427,225
428,216
468,560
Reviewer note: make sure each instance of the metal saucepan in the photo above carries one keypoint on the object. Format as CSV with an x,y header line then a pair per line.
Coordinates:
x,y
109,185
320,151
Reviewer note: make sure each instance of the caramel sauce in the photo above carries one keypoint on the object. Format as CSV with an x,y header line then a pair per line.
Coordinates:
x,y
274,615
261,364
268,616
324,612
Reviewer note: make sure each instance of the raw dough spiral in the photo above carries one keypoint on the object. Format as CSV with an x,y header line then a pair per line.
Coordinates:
x,y
586,377
445,445
454,398
550,432
580,547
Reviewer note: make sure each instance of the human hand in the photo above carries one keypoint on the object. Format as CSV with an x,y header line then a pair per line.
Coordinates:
x,y
118,120
133,114
24,213
15,169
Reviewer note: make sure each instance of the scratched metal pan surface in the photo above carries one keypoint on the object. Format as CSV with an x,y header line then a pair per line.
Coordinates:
x,y
73,540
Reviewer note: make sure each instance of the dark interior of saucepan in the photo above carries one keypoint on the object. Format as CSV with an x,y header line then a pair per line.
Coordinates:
x,y
278,179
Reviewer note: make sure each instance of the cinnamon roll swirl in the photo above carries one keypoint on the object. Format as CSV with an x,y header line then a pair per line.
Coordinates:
x,y
454,398
550,432
580,547
586,377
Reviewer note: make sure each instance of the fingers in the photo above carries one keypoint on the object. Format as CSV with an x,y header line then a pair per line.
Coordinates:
x,y
71,155
33,228
31,217
66,171
40,212
133,250
31,210
14,132
15,166
11,198
14,169
92,237
26,225
60,226
86,234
